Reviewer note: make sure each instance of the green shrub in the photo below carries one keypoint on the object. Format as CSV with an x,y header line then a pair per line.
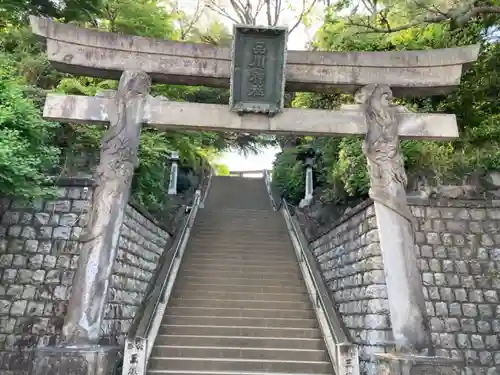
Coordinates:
x,y
289,175
26,152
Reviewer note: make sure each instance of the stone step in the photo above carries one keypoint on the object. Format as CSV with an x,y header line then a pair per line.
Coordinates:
x,y
235,254
241,312
262,248
264,211
231,352
232,288
236,251
251,304
237,190
241,341
207,330
213,256
238,321
159,372
233,193
241,225
202,248
241,222
228,203
239,251
290,268
226,231
221,364
262,245
255,238
237,231
270,244
241,296
268,228
209,272
221,280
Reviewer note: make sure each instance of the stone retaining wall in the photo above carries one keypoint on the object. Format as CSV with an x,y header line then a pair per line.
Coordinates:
x,y
458,249
350,259
39,251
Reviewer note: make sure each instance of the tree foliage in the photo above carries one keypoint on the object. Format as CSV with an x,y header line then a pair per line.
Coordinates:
x,y
25,150
33,148
392,16
17,11
342,167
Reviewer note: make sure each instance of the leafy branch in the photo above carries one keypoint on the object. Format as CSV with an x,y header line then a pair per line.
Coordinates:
x,y
377,21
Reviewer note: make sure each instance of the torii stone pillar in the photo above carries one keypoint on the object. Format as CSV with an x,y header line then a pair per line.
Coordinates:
x,y
82,325
395,221
396,227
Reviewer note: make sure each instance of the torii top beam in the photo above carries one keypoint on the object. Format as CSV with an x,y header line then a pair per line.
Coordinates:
x,y
101,54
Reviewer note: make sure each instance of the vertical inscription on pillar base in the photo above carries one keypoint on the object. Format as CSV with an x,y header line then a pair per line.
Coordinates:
x,y
258,69
75,361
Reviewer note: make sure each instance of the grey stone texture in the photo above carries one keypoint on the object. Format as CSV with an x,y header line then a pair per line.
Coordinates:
x,y
100,360
39,251
163,115
89,52
408,364
458,249
350,259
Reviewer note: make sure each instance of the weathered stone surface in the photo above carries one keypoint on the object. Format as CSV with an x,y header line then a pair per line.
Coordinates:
x,y
163,114
75,361
459,274
106,55
398,364
258,69
350,258
119,148
395,221
37,276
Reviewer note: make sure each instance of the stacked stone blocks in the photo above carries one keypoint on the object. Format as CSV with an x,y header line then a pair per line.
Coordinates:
x,y
351,262
39,250
458,244
458,250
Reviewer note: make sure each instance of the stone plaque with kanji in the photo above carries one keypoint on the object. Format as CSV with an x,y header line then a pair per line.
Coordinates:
x,y
258,69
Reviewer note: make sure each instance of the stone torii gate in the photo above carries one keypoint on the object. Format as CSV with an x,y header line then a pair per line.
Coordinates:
x,y
374,76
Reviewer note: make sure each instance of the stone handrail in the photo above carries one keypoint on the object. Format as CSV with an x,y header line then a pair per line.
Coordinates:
x,y
341,349
207,188
148,318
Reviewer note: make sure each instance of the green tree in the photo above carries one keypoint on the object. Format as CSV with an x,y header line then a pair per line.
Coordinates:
x,y
289,175
342,165
221,169
393,16
137,17
17,11
26,152
27,60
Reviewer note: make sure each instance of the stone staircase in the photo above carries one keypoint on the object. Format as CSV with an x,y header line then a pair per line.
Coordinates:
x,y
239,305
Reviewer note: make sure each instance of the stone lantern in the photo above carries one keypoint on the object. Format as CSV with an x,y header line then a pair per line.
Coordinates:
x,y
307,156
174,171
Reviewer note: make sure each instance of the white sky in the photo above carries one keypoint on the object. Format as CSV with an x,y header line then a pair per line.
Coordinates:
x,y
297,41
